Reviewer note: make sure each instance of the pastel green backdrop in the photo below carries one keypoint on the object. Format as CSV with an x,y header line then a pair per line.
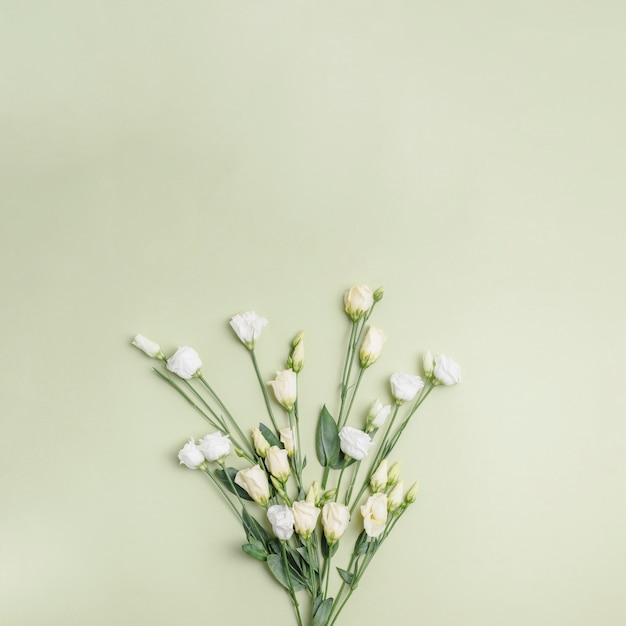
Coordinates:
x,y
168,164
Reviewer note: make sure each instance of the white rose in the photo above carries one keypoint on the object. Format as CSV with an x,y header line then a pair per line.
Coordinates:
x,y
277,463
261,444
335,520
149,347
287,439
254,481
378,480
377,415
372,346
190,455
280,517
305,516
404,387
447,370
285,388
358,300
396,496
215,446
354,442
374,513
248,327
185,362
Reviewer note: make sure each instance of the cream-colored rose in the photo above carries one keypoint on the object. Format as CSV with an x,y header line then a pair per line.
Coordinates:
x,y
287,439
190,455
377,415
277,463
354,442
149,347
358,300
261,444
254,482
372,346
378,480
215,446
374,513
404,387
396,496
185,362
285,388
248,327
335,520
305,516
281,518
447,371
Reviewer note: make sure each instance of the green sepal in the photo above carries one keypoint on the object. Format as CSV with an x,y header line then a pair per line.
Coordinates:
x,y
230,483
255,550
328,550
321,616
327,439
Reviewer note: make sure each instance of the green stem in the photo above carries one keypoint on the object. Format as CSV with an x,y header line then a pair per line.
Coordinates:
x,y
357,466
354,392
207,471
266,396
292,593
339,483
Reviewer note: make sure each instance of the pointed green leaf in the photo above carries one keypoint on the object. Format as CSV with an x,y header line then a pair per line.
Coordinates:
x,y
277,567
229,483
327,439
254,551
269,435
254,530
347,577
323,613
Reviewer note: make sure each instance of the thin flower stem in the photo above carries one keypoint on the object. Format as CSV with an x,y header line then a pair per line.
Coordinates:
x,y
357,466
309,551
293,425
404,424
218,419
266,396
339,482
292,593
207,471
354,392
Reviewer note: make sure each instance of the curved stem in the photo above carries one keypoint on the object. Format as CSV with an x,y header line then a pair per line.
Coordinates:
x,y
266,396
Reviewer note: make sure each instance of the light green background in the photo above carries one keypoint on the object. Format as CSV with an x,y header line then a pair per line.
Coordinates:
x,y
168,164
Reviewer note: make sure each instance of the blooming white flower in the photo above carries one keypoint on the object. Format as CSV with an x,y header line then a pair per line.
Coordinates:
x,y
377,415
285,388
287,439
261,444
335,520
354,443
372,346
254,481
248,327
447,371
277,463
190,455
215,446
305,516
396,496
378,480
280,517
358,300
374,513
404,387
149,347
185,362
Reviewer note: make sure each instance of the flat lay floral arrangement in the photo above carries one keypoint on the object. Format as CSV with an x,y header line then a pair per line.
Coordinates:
x,y
294,526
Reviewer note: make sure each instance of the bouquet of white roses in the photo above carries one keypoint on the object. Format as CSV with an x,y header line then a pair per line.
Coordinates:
x,y
291,525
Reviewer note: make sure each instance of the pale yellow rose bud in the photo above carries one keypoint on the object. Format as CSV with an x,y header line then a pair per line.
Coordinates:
x,y
254,481
335,520
411,494
429,364
261,444
314,495
357,301
378,480
372,346
287,439
285,388
394,474
395,498
305,516
277,463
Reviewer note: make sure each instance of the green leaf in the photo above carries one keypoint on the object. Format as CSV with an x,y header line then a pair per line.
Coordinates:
x,y
323,613
342,461
254,530
230,483
269,435
255,551
360,545
316,605
348,577
327,439
277,567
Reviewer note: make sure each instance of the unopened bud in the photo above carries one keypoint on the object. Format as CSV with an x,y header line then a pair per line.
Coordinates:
x,y
393,475
296,357
429,364
378,480
261,444
314,494
411,494
239,452
378,294
395,499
